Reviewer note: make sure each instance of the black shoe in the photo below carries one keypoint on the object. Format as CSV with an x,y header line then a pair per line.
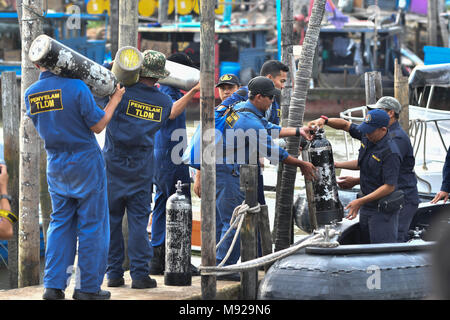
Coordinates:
x,y
117,282
158,261
230,277
53,294
101,295
146,283
194,270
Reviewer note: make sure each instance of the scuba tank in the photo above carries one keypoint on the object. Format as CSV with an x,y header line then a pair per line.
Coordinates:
x,y
181,76
127,65
322,193
178,239
65,62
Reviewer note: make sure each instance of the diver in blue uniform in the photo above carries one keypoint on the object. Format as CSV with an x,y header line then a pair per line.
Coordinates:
x,y
65,115
445,187
379,165
128,153
249,118
167,173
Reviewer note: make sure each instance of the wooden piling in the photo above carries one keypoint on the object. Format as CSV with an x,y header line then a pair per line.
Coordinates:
x,y
162,11
432,27
114,26
264,232
401,93
128,36
374,87
29,242
249,279
11,123
208,160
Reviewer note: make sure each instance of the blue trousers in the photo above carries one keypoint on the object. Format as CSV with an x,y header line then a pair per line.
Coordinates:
x,y
129,188
165,181
404,220
378,227
228,197
77,187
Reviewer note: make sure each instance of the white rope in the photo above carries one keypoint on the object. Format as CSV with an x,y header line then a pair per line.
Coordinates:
x,y
236,218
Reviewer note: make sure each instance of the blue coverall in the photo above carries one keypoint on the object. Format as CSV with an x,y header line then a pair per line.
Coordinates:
x,y
166,172
228,193
407,181
128,153
379,164
63,111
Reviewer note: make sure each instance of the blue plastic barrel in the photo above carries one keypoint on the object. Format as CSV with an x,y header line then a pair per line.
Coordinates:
x,y
230,67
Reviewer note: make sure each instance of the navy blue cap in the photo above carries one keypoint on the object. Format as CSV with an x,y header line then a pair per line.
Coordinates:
x,y
375,119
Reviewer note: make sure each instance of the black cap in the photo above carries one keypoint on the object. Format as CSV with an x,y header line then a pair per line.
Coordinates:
x,y
181,58
262,85
228,79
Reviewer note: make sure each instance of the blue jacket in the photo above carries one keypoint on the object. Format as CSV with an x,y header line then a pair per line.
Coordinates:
x,y
407,180
273,114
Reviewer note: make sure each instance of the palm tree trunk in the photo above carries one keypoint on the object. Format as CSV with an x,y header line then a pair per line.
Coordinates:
x,y
283,220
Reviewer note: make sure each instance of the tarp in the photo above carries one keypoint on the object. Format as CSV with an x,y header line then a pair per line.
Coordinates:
x,y
436,74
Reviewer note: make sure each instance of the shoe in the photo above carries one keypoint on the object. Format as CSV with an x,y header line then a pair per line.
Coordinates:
x,y
194,270
117,282
100,295
146,283
230,277
158,261
53,294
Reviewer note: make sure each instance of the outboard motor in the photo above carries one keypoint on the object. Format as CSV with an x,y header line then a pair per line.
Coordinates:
x,y
65,62
178,239
322,193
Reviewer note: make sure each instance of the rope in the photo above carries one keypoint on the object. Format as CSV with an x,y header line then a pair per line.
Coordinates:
x,y
237,218
316,240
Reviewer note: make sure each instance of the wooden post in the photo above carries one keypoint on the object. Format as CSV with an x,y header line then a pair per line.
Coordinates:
x,y
114,27
44,197
208,161
401,93
162,11
128,23
128,36
11,123
29,242
264,232
374,87
432,18
249,279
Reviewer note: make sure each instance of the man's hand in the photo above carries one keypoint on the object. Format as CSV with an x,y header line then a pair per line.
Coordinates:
x,y
353,208
116,97
3,179
308,170
317,123
306,132
440,195
347,182
198,184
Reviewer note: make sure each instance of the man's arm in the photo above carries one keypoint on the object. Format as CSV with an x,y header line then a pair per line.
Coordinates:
x,y
109,110
179,105
6,227
335,123
307,168
350,165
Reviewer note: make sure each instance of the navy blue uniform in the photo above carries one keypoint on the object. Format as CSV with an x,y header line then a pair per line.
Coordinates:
x,y
129,164
63,111
273,115
379,164
407,181
258,143
166,172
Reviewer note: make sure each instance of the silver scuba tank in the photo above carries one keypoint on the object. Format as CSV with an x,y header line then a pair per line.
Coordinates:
x,y
181,76
178,239
66,62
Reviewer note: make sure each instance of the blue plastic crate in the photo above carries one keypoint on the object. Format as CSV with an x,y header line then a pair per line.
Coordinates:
x,y
436,55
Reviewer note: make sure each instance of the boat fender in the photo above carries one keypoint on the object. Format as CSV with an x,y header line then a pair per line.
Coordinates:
x,y
178,239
